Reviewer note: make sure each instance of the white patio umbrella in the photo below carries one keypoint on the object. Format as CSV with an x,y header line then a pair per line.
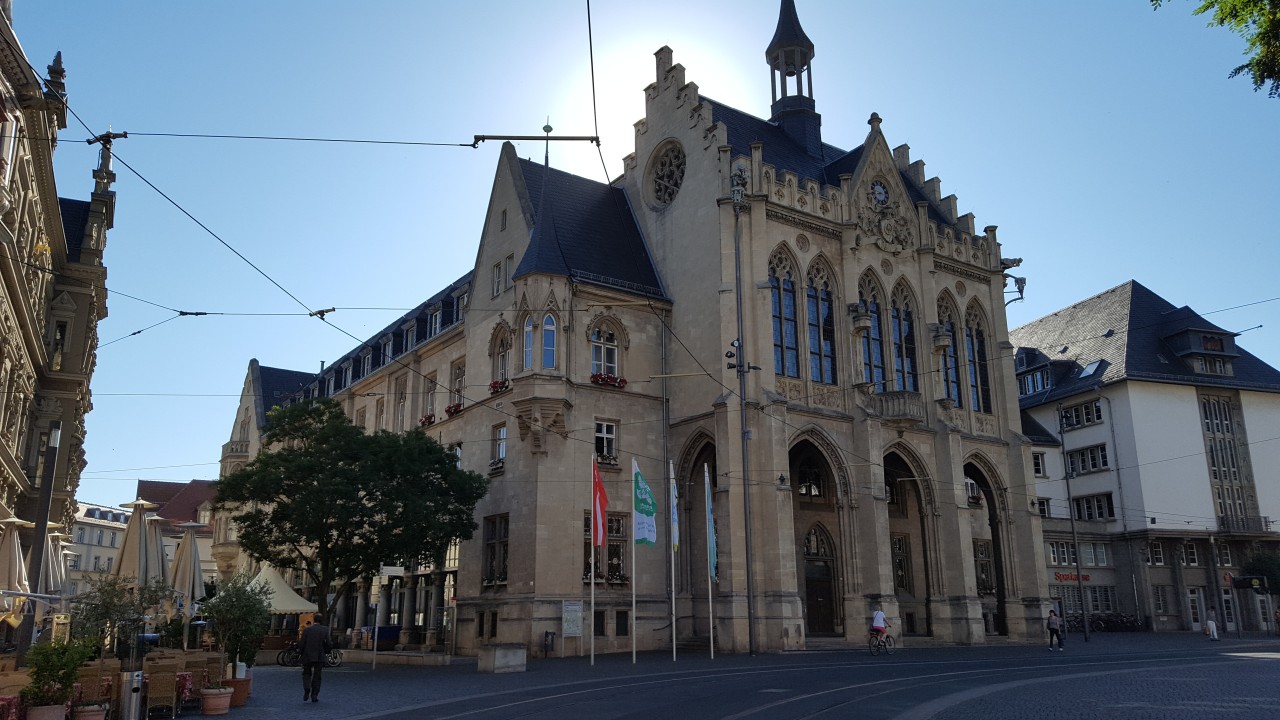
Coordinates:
x,y
13,572
185,575
54,567
157,563
136,557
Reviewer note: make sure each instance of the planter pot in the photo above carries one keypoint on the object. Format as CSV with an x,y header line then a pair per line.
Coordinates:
x,y
215,701
89,712
240,690
47,712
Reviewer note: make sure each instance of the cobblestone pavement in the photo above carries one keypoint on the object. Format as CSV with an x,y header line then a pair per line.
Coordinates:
x,y
1115,676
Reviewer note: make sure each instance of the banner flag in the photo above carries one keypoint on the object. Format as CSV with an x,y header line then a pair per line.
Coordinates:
x,y
675,514
711,527
599,506
645,509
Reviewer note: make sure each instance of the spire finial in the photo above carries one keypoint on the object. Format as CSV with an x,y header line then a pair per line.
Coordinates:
x,y
874,121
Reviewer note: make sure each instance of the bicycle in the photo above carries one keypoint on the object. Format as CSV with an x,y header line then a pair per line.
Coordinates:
x,y
880,641
291,656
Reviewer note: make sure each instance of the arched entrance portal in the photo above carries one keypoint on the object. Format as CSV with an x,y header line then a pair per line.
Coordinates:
x,y
814,489
908,549
988,555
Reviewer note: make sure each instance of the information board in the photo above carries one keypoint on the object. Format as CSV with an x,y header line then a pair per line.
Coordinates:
x,y
571,618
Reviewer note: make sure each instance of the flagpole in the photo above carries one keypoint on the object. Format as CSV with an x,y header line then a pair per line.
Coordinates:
x,y
711,609
592,630
671,477
634,576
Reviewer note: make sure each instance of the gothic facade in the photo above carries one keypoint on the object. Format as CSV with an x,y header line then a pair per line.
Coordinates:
x,y
816,330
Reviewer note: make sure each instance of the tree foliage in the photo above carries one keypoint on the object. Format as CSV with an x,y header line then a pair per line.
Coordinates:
x,y
1258,22
340,503
1266,564
240,611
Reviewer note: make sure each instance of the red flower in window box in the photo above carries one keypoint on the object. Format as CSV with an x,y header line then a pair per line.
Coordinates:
x,y
608,379
498,386
453,409
427,420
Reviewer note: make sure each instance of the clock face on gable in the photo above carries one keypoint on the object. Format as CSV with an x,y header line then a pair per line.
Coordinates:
x,y
879,193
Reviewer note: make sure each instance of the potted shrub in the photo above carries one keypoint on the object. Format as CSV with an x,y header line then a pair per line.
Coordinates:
x,y
215,698
240,614
54,668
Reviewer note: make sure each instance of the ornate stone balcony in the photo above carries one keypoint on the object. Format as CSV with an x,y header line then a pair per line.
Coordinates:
x,y
235,448
901,409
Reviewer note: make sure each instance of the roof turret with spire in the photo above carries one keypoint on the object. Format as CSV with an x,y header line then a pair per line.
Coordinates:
x,y
790,55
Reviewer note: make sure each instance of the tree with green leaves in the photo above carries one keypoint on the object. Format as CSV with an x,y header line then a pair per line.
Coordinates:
x,y
326,497
1266,564
240,613
1258,22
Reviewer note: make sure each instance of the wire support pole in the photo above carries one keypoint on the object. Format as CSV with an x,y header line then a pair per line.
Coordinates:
x,y
738,192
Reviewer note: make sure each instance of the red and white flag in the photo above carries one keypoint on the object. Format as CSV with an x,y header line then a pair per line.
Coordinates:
x,y
599,504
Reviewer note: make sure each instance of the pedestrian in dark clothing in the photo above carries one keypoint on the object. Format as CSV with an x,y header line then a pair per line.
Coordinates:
x,y
1054,626
313,647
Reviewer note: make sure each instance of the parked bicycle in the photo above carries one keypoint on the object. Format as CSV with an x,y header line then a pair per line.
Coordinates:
x,y
291,656
880,641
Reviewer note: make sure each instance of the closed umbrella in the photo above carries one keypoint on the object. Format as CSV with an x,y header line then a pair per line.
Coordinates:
x,y
13,571
157,563
54,567
186,578
135,558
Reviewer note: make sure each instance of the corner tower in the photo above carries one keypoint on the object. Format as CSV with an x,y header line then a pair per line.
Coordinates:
x,y
790,55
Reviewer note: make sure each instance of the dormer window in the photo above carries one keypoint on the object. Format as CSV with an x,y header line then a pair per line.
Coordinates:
x,y
385,347
346,374
1212,343
1211,366
410,336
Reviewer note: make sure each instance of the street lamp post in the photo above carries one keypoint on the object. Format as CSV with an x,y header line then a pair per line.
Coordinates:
x,y
43,503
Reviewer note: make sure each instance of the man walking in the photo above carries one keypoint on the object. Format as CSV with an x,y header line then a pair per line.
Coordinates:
x,y
313,647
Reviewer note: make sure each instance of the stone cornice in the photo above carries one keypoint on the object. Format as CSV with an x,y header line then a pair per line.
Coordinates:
x,y
802,223
958,271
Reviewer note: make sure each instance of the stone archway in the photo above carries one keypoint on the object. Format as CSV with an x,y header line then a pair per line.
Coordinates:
x,y
814,508
909,544
988,550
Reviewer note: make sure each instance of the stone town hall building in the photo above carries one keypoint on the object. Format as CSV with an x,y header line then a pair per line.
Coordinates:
x,y
885,462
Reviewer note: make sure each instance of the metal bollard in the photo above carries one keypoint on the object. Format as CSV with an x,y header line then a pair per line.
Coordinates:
x,y
130,695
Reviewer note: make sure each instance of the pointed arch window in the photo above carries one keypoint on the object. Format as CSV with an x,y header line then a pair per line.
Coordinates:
x,y
822,328
873,338
975,341
950,362
527,344
786,340
548,341
904,342
502,354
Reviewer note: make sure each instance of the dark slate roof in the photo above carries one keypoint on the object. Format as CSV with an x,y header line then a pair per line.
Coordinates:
x,y
75,216
785,154
789,32
589,233
276,385
1125,330
1035,432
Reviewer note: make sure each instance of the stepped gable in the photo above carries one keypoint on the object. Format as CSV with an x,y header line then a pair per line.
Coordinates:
x,y
786,155
589,233
75,217
1125,328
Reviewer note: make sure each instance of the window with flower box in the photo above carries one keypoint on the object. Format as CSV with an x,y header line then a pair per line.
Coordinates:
x,y
606,442
604,352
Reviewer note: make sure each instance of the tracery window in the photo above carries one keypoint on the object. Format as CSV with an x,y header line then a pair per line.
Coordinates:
x,y
786,341
873,369
502,352
822,327
548,341
904,341
527,344
950,361
975,340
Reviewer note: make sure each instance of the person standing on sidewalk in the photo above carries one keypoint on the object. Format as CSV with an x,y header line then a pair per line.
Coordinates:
x,y
1054,626
313,648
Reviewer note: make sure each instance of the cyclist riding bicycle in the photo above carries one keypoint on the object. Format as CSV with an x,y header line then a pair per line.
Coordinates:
x,y
879,625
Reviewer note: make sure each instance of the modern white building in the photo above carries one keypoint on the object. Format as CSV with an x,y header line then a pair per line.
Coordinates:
x,y
1156,432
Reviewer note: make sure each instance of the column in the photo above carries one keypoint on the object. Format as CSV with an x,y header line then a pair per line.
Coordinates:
x,y
362,603
408,607
384,604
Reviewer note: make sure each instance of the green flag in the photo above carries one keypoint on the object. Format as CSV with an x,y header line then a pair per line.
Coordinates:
x,y
644,511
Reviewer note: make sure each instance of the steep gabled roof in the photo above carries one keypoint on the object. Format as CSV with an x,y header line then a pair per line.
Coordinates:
x,y
1125,330
275,385
588,233
75,216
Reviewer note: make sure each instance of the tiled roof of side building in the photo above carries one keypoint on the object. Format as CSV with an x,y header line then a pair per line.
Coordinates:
x,y
184,506
75,216
158,492
1124,329
1035,432
589,233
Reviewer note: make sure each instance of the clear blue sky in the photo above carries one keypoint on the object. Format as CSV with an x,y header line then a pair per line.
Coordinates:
x,y
1102,137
